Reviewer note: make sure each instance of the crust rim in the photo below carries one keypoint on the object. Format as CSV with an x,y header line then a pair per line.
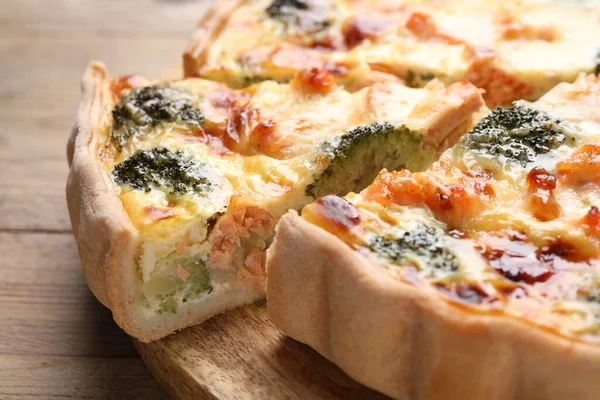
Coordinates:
x,y
209,27
105,235
400,340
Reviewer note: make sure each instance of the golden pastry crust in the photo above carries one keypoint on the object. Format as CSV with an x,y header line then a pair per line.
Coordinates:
x,y
208,28
105,235
402,341
101,226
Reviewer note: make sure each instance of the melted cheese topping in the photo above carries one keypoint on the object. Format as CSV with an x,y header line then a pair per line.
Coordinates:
x,y
258,149
513,49
490,233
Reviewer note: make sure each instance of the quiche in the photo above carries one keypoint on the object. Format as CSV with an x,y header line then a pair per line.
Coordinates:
x,y
515,49
476,278
175,186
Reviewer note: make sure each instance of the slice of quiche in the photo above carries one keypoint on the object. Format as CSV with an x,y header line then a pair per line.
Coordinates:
x,y
516,49
478,276
175,186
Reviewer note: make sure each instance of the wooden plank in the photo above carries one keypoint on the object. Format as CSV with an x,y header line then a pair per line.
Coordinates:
x,y
31,86
38,110
241,355
76,378
34,175
143,18
46,307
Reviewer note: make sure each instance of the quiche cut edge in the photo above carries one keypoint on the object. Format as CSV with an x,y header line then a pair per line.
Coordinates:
x,y
402,341
105,236
109,239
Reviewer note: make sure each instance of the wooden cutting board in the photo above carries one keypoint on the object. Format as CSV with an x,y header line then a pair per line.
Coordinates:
x,y
242,355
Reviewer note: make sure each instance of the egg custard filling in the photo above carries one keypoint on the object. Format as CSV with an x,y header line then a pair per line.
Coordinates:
x,y
205,171
506,222
516,49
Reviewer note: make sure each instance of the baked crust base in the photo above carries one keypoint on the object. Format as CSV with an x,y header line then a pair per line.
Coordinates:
x,y
105,236
408,342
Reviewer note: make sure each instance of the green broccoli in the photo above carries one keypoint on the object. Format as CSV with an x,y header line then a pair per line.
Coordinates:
x,y
517,134
592,295
167,304
199,279
147,107
304,14
161,168
166,284
418,79
279,8
356,157
421,246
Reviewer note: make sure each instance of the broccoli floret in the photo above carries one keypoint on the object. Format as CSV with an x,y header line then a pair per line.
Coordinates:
x,y
421,246
248,80
281,7
161,168
591,295
355,158
517,134
307,15
166,284
147,107
199,278
418,79
167,304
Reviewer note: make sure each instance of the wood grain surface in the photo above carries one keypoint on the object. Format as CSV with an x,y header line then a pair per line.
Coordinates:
x,y
241,355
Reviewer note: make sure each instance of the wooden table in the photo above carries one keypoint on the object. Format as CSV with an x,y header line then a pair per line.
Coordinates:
x,y
56,340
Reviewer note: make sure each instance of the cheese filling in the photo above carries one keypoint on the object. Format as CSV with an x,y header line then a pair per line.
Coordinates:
x,y
513,49
205,171
506,221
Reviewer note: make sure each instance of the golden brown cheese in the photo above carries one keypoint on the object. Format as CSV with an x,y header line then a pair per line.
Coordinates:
x,y
253,153
513,49
496,229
